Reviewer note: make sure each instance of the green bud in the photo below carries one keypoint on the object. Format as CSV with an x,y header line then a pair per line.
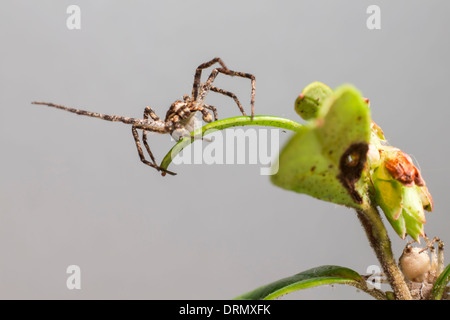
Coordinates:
x,y
311,99
394,178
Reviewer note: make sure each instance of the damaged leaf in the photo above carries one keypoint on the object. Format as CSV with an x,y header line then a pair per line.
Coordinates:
x,y
326,158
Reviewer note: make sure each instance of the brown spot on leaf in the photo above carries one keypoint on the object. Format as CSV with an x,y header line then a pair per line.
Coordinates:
x,y
351,165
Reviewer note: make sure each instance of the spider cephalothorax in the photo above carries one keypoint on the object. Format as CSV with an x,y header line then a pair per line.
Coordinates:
x,y
180,120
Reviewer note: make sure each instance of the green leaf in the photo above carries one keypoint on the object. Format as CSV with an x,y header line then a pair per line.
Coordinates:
x,y
441,284
268,121
324,275
413,227
412,204
388,195
325,159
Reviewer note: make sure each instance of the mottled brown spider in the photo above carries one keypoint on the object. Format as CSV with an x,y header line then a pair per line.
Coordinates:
x,y
180,120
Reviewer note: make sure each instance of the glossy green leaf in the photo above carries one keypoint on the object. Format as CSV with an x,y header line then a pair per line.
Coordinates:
x,y
324,275
441,284
313,160
268,121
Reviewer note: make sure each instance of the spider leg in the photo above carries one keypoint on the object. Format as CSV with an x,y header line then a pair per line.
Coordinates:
x,y
437,260
198,75
149,112
231,95
410,243
440,256
206,115
248,76
208,84
213,109
141,153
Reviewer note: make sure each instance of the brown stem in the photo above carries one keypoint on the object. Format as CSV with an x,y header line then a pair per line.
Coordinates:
x,y
379,241
377,294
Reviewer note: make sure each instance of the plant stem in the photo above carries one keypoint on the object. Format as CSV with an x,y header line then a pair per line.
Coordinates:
x,y
267,121
377,294
381,244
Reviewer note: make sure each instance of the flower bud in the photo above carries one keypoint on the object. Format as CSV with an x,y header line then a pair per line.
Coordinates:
x,y
400,191
312,97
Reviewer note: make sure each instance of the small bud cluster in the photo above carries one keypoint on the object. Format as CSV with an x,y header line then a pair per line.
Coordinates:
x,y
399,188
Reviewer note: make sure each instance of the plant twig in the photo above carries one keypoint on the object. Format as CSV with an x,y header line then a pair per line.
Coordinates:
x,y
267,121
377,294
379,240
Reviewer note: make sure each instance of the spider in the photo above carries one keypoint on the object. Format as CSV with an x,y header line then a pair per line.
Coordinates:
x,y
419,271
180,120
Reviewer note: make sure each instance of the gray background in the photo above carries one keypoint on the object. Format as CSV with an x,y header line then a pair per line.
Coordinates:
x,y
73,191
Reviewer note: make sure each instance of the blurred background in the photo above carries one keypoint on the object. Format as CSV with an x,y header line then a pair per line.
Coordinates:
x,y
74,192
